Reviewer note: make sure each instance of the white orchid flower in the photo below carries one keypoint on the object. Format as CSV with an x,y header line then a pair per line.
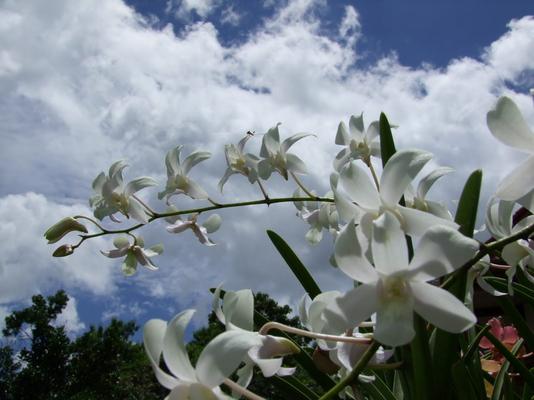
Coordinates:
x,y
519,254
177,180
343,354
395,288
275,155
319,215
477,273
112,195
239,162
365,203
218,360
360,143
134,252
201,231
237,314
508,125
417,199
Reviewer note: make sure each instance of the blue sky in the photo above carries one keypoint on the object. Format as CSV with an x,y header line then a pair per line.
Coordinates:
x,y
87,83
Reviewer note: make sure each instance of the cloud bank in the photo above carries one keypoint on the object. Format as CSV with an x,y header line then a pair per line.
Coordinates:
x,y
86,85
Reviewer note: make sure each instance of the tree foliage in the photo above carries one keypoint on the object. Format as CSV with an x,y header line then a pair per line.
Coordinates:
x,y
43,363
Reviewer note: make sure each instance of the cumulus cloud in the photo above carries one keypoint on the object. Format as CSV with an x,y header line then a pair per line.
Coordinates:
x,y
84,86
184,9
26,265
70,319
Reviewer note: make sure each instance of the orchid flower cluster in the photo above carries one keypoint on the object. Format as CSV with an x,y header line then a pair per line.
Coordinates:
x,y
409,260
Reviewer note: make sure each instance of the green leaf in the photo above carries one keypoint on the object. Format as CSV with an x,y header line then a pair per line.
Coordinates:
x,y
462,383
501,376
293,388
523,292
422,366
473,346
300,271
387,145
466,213
379,387
515,317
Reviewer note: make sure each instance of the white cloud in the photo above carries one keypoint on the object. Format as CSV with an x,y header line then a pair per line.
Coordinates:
x,y
350,28
84,86
70,319
230,16
183,9
26,265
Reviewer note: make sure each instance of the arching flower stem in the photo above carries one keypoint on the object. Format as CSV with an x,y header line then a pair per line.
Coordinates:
x,y
241,390
301,332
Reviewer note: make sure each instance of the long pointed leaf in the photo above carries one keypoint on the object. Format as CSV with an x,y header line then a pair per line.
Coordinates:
x,y
502,375
300,271
387,145
514,362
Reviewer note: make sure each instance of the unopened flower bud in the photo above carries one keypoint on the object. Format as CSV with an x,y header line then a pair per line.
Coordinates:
x,y
63,251
60,229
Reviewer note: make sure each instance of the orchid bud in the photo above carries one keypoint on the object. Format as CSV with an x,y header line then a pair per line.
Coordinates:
x,y
63,251
60,229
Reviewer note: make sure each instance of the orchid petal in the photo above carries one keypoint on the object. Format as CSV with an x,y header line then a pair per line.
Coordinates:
x,y
356,127
508,125
198,391
221,357
399,171
426,183
359,186
438,209
394,321
174,351
227,174
342,135
295,164
519,182
129,266
390,253
440,251
99,182
441,308
314,236
350,256
290,141
347,209
172,161
417,222
351,308
265,169
115,253
202,235
270,143
138,184
195,191
238,309
153,334
193,159
137,211
373,131
179,226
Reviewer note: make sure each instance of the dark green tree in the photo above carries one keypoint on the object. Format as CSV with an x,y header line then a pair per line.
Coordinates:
x,y
103,363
